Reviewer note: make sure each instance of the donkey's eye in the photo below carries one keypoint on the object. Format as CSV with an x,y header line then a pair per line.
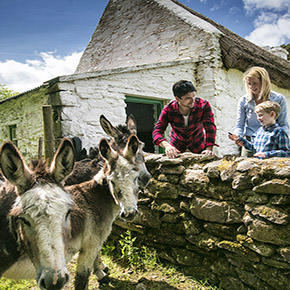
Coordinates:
x,y
68,214
25,221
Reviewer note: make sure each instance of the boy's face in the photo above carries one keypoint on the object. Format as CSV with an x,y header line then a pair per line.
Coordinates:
x,y
187,101
266,119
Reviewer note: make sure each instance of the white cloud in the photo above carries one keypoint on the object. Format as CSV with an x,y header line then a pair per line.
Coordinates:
x,y
251,5
272,21
266,18
269,33
22,77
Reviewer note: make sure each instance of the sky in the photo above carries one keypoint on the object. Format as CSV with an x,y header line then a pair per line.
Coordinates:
x,y
44,39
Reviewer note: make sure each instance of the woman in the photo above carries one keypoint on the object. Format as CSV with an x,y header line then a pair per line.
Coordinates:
x,y
258,88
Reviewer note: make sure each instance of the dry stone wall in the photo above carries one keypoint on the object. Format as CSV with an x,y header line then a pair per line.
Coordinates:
x,y
225,220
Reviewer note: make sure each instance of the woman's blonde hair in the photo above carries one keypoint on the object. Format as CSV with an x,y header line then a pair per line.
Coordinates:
x,y
263,76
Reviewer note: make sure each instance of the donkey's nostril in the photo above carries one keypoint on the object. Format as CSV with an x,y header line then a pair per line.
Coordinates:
x,y
129,215
41,284
50,280
66,278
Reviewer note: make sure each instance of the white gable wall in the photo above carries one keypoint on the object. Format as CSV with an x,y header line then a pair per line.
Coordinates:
x,y
135,32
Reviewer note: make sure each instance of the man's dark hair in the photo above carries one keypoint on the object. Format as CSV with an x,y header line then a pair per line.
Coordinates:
x,y
182,87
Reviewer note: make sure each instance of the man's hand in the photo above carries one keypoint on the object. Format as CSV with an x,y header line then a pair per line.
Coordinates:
x,y
170,150
208,151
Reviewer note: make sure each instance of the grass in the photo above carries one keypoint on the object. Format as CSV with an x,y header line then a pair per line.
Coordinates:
x,y
130,268
124,278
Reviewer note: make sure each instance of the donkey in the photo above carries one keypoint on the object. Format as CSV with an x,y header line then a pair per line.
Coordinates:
x,y
111,192
85,169
34,217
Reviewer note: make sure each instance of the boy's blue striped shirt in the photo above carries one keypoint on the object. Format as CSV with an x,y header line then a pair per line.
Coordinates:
x,y
272,140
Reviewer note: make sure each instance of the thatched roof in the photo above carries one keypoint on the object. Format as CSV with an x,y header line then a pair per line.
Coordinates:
x,y
239,53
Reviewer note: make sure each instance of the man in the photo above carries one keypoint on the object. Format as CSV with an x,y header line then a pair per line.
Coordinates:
x,y
191,120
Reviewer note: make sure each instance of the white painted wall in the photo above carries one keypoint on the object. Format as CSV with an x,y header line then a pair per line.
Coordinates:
x,y
87,96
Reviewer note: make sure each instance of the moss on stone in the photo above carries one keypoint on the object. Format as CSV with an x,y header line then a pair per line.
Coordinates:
x,y
225,165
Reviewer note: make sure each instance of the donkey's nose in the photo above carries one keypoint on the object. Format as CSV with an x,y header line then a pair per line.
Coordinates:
x,y
52,280
144,179
130,214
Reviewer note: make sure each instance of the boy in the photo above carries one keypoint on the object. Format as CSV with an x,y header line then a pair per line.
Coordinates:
x,y
270,140
191,120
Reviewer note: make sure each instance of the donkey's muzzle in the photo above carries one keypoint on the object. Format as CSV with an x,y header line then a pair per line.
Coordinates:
x,y
144,179
52,280
130,214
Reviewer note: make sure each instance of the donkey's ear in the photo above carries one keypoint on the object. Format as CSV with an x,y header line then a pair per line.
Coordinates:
x,y
109,128
109,154
131,147
131,124
14,167
107,151
63,160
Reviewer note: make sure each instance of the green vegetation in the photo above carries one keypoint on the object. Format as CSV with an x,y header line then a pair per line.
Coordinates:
x,y
6,93
131,268
287,47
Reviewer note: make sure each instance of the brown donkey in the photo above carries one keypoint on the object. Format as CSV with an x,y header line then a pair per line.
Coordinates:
x,y
34,217
85,169
111,192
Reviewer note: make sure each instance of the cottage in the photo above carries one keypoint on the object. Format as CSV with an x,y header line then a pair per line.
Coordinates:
x,y
138,50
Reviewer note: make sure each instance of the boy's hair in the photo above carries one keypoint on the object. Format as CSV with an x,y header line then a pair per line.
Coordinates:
x,y
182,87
268,107
261,74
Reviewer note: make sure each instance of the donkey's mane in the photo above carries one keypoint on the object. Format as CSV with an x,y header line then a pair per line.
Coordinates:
x,y
121,139
123,129
40,171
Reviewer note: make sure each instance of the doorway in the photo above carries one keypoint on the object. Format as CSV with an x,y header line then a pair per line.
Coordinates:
x,y
146,113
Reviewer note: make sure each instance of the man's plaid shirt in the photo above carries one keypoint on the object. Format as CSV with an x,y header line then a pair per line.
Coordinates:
x,y
272,140
196,136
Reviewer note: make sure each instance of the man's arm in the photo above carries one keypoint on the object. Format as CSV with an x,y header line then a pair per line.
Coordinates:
x,y
160,127
158,132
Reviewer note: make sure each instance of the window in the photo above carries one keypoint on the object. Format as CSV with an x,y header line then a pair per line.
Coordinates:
x,y
12,134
